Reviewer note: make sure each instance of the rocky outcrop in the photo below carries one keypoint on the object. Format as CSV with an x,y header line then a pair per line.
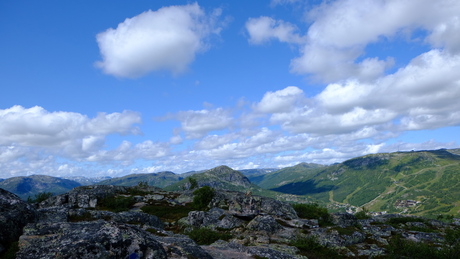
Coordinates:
x,y
75,225
96,239
248,206
14,215
84,196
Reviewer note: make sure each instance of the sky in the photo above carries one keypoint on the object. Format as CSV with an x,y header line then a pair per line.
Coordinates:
x,y
110,88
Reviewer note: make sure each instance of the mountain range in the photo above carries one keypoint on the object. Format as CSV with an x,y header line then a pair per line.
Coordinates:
x,y
424,183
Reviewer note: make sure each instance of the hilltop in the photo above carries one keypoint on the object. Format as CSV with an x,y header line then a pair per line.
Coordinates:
x,y
25,186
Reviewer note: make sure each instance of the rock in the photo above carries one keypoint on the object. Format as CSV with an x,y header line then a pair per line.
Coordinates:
x,y
84,196
223,250
53,214
344,220
130,217
14,215
215,217
248,207
264,223
95,239
180,246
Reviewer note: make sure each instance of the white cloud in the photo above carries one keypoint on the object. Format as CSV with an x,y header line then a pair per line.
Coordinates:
x,y
333,47
264,28
37,127
166,39
280,101
197,124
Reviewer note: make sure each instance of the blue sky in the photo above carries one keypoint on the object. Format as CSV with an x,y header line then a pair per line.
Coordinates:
x,y
99,88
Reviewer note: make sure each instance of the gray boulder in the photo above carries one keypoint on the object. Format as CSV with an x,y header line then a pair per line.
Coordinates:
x,y
14,215
95,239
264,223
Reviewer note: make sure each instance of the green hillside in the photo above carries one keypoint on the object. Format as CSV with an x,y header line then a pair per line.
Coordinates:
x,y
31,185
421,183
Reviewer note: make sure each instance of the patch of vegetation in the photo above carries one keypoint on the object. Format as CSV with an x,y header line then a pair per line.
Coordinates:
x,y
363,214
193,183
11,251
310,247
399,247
206,236
167,212
116,204
347,230
453,236
39,197
313,211
202,197
404,220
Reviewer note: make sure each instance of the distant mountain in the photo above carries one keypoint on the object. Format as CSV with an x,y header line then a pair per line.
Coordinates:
x,y
160,179
255,175
420,183
87,180
286,175
25,186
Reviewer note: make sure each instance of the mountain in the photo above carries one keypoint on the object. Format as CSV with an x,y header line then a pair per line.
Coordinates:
x,y
420,183
87,180
221,177
160,179
25,186
287,175
255,175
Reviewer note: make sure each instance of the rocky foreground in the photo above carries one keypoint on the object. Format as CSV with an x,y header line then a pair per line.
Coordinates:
x,y
147,222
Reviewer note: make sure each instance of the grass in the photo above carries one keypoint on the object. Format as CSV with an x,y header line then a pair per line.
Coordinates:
x,y
399,247
310,247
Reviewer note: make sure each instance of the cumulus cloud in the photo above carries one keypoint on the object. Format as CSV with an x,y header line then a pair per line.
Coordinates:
x,y
280,101
264,28
166,39
197,124
37,127
68,134
333,47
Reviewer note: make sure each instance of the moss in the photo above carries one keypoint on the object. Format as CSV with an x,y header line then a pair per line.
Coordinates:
x,y
116,204
310,247
206,236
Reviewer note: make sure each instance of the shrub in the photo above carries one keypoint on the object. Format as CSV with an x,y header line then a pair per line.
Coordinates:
x,y
313,211
39,197
193,183
202,197
206,236
362,214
